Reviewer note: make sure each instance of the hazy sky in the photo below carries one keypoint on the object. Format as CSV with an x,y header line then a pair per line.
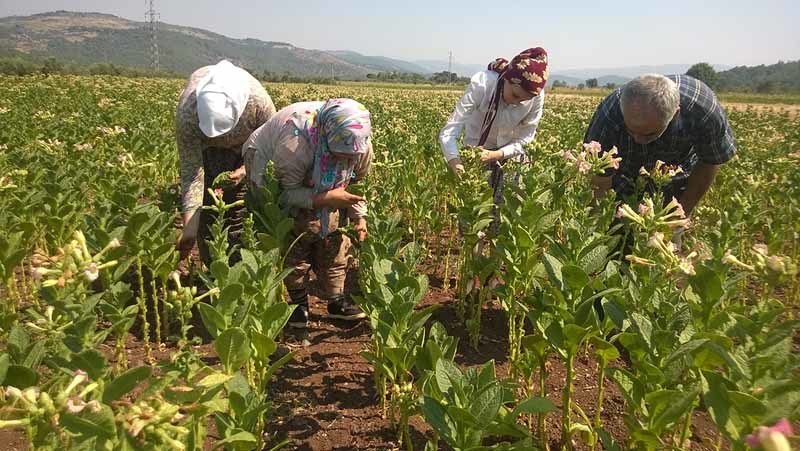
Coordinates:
x,y
580,34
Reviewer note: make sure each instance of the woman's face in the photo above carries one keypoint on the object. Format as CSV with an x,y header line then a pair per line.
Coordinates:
x,y
514,94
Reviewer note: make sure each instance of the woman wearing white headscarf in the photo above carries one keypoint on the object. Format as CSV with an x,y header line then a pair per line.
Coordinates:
x,y
217,111
318,149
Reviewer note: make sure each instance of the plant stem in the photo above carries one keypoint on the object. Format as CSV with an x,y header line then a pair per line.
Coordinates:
x,y
154,290
598,422
164,312
566,407
143,310
687,426
542,393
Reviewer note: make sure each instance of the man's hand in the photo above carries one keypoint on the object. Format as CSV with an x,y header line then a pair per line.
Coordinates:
x,y
700,180
600,185
360,227
491,156
336,199
456,166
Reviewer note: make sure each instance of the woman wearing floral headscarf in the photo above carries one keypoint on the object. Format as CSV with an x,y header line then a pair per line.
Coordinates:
x,y
318,149
219,108
499,111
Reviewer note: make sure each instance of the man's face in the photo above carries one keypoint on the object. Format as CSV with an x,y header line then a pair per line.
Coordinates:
x,y
643,123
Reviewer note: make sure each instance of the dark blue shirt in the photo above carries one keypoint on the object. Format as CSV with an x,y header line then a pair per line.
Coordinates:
x,y
699,132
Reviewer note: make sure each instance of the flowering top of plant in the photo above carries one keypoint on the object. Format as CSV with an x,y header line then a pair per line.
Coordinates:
x,y
38,405
8,182
772,268
648,217
73,261
592,160
662,173
667,255
656,223
773,438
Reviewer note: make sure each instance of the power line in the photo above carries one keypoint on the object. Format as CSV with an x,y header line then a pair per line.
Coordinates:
x,y
152,20
450,62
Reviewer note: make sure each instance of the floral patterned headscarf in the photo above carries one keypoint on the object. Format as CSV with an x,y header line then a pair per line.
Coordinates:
x,y
528,69
339,133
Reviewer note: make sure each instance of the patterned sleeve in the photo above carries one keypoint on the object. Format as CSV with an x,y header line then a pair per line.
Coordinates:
x,y
264,107
293,161
359,210
716,145
190,154
465,107
604,126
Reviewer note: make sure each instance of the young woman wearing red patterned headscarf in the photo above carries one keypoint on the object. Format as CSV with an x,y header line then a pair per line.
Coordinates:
x,y
499,113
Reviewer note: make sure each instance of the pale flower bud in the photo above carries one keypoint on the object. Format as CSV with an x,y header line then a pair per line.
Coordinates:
x,y
91,272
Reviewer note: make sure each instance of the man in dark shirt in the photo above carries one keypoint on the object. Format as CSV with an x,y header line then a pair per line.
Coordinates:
x,y
675,119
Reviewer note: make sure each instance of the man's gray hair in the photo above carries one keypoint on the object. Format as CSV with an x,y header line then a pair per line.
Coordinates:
x,y
657,91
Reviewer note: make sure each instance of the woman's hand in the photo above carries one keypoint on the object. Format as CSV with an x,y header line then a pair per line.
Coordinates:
x,y
456,166
191,225
336,199
360,227
490,156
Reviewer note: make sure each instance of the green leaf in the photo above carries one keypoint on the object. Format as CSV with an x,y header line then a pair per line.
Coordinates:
x,y
447,374
485,406
574,277
480,225
214,379
124,383
553,267
645,328
220,271
212,319
90,361
436,415
229,298
233,348
669,406
237,441
715,398
707,284
605,350
263,345
90,424
20,376
573,336
5,362
278,364
684,350
18,341
608,442
746,404
275,318
595,259
535,404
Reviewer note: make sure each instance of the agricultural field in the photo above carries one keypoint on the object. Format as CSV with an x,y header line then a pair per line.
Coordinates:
x,y
543,336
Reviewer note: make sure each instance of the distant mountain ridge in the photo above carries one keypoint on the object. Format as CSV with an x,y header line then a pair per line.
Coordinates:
x,y
92,38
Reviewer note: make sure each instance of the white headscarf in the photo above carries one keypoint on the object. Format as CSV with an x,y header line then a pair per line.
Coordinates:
x,y
221,98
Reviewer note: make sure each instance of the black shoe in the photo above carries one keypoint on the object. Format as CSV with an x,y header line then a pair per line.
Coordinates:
x,y
344,309
299,318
